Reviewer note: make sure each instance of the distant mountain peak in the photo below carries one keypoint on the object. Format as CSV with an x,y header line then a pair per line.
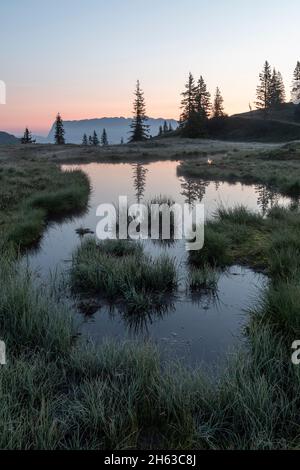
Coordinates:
x,y
116,128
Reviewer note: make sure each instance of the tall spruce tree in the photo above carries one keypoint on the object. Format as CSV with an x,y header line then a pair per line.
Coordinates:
x,y
263,91
277,91
296,84
95,139
140,130
104,139
218,107
202,98
188,104
90,140
191,122
160,130
84,139
27,137
59,135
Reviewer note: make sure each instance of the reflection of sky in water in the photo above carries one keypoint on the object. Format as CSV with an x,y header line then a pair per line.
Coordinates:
x,y
196,330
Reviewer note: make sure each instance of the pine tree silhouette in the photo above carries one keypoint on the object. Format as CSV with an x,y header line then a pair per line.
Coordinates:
x,y
296,84
218,108
27,138
140,130
277,91
188,104
104,140
59,135
202,98
263,91
95,139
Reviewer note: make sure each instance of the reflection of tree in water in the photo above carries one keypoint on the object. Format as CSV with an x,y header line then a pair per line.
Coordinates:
x,y
193,189
217,185
139,180
266,199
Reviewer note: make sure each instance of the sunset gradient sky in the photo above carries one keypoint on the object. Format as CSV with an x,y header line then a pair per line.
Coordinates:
x,y
83,57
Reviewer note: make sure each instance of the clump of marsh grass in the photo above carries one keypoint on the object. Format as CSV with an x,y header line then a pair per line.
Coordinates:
x,y
215,251
280,307
203,279
31,319
119,270
239,215
284,254
234,236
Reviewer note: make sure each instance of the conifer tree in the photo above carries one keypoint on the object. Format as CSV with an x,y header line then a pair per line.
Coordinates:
x,y
188,101
59,135
95,139
84,139
90,140
170,127
165,128
104,140
296,84
263,91
218,108
140,130
160,131
27,138
277,91
202,98
122,141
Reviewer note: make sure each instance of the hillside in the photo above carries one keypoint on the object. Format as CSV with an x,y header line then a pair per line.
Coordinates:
x,y
283,113
6,139
239,128
116,128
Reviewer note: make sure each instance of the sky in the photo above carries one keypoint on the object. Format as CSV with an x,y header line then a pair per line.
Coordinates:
x,y
82,57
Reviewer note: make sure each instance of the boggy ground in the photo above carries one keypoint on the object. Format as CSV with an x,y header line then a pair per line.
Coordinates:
x,y
277,168
33,192
58,392
174,148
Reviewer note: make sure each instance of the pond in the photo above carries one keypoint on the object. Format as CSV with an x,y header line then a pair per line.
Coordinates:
x,y
197,329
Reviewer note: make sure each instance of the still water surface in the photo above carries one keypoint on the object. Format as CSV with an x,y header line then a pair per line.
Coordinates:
x,y
195,329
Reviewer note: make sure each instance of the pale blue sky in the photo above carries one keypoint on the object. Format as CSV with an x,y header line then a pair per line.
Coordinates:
x,y
82,58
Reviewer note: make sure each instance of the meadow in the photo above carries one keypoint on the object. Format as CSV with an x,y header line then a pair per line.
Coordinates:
x,y
59,391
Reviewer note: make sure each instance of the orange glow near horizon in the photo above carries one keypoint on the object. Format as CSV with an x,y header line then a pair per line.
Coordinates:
x,y
84,61
38,112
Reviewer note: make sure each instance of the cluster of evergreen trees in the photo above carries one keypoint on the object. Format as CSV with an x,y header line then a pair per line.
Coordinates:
x,y
165,129
197,108
271,92
94,140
